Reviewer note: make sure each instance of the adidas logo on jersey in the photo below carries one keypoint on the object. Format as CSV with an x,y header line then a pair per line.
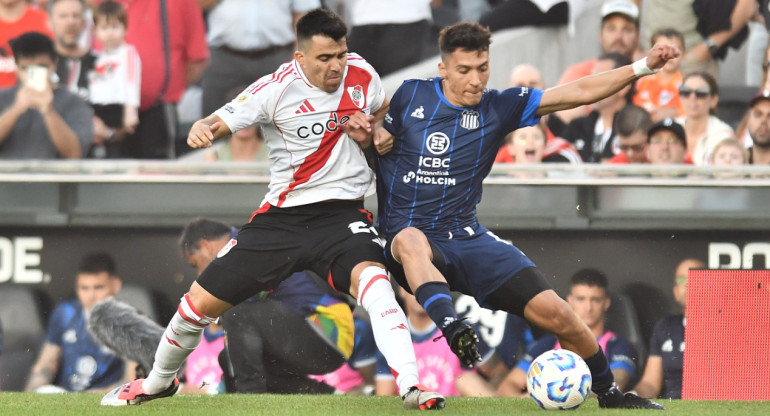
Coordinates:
x,y
305,108
417,113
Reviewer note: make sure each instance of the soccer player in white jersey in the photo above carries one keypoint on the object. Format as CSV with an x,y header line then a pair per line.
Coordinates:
x,y
316,113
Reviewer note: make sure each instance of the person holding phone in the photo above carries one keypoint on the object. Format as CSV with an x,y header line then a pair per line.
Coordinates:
x,y
39,119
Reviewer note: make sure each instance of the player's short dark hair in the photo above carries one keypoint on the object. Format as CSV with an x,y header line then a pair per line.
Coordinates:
x,y
97,262
201,229
32,44
668,32
632,118
590,277
617,58
111,10
321,22
469,36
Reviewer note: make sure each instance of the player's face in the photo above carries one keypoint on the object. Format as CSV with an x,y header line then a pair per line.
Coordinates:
x,y
67,22
619,34
590,303
323,60
759,124
465,75
95,287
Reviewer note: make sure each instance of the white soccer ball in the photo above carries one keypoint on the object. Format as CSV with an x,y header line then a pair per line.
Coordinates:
x,y
558,379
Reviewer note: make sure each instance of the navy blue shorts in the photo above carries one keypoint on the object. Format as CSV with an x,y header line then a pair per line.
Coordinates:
x,y
478,263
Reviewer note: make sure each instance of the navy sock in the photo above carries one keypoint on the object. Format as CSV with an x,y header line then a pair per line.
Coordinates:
x,y
601,376
435,299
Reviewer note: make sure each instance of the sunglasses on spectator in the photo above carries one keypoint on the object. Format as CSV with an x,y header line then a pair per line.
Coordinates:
x,y
699,93
638,148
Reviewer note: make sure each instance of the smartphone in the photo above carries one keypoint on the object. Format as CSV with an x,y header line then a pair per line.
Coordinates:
x,y
37,77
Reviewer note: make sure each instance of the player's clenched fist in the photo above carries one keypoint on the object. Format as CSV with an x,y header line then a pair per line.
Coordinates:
x,y
660,54
202,134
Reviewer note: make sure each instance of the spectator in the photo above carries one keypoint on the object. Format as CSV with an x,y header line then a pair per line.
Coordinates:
x,y
274,339
663,372
70,358
526,145
377,26
709,28
438,366
758,127
700,96
74,62
116,80
242,51
16,18
729,152
659,93
666,143
619,33
593,135
632,124
589,298
168,68
556,148
38,118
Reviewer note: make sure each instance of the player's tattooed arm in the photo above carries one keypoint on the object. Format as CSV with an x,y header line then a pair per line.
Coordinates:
x,y
44,370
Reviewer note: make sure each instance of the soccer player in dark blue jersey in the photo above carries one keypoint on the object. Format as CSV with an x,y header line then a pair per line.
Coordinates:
x,y
439,141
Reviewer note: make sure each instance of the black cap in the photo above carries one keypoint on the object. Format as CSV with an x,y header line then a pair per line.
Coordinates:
x,y
669,124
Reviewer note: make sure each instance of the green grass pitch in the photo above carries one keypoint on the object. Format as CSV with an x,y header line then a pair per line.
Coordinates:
x,y
87,404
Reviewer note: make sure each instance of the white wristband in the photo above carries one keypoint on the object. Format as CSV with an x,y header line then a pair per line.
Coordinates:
x,y
641,69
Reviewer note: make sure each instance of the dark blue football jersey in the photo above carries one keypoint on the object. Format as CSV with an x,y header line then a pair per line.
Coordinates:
x,y
432,177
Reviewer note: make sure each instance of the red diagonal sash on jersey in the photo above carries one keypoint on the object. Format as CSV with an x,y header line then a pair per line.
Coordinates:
x,y
315,161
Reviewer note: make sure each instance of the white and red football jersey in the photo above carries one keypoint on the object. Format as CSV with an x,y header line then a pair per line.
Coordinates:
x,y
311,159
116,77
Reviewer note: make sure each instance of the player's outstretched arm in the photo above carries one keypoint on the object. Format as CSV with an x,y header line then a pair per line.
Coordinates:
x,y
593,88
205,131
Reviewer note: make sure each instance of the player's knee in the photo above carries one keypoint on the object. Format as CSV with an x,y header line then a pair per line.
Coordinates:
x,y
410,243
563,321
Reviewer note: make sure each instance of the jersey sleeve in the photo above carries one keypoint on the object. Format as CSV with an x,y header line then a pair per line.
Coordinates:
x,y
394,119
518,107
133,76
249,107
622,356
57,324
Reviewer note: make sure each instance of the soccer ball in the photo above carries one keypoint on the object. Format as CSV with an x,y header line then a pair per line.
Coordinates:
x,y
558,379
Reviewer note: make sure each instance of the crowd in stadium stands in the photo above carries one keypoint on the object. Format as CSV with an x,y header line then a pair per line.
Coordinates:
x,y
132,61
102,79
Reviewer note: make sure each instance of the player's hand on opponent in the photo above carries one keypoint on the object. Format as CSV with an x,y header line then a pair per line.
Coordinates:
x,y
359,128
660,54
202,134
383,140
